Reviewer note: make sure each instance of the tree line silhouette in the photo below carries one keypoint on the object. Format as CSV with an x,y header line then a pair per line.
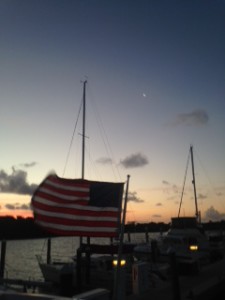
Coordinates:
x,y
25,228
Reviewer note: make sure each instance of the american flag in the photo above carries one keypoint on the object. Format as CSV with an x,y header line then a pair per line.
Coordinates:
x,y
78,207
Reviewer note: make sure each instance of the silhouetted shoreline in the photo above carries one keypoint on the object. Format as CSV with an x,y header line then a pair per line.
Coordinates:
x,y
25,228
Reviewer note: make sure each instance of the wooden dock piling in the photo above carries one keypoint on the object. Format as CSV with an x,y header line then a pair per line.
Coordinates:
x,y
2,263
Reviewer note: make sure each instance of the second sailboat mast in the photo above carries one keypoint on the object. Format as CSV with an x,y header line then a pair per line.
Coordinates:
x,y
194,185
83,133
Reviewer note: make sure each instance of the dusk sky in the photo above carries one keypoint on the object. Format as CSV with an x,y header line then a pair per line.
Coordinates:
x,y
155,72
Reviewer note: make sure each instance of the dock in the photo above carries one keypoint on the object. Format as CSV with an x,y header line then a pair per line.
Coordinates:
x,y
208,284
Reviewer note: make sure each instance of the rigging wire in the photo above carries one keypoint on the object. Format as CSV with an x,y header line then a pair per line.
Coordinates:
x,y
185,177
92,164
103,134
208,178
72,138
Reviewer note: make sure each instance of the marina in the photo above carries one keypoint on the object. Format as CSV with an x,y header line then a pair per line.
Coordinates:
x,y
208,282
100,101
184,263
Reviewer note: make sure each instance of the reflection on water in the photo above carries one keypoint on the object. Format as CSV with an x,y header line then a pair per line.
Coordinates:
x,y
21,262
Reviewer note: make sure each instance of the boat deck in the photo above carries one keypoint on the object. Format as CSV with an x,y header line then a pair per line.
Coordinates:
x,y
207,285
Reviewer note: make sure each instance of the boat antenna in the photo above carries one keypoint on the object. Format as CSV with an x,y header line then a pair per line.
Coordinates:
x,y
83,133
194,185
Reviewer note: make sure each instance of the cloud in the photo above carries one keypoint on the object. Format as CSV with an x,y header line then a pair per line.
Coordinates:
x,y
219,194
17,206
10,206
169,187
194,118
172,198
16,183
156,216
175,188
132,197
105,161
24,207
134,161
158,204
211,214
201,196
165,182
29,165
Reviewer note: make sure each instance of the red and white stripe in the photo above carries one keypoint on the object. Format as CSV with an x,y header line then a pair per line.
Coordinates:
x,y
62,207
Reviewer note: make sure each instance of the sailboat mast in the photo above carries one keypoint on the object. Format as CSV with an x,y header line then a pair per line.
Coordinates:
x,y
83,133
194,185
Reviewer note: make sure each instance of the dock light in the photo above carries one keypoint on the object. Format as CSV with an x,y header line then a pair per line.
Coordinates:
x,y
193,247
122,262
